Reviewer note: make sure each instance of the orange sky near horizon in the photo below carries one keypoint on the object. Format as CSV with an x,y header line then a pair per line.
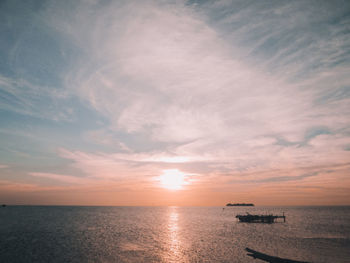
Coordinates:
x,y
197,193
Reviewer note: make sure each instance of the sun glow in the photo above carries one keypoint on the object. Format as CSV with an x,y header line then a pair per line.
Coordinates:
x,y
172,179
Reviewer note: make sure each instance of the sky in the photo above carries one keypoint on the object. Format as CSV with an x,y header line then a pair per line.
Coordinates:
x,y
189,103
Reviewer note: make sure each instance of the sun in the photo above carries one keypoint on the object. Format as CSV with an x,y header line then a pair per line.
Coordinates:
x,y
172,179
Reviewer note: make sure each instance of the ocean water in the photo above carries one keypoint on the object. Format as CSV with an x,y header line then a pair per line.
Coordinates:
x,y
170,234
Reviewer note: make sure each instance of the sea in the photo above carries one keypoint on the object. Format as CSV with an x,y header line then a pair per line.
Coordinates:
x,y
170,234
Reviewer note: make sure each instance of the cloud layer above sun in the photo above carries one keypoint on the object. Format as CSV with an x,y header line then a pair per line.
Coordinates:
x,y
240,98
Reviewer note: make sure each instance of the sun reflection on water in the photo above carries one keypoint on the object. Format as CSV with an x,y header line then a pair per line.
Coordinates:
x,y
175,254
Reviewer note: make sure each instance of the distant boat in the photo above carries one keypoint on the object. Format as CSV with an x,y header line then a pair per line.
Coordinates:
x,y
239,204
248,218
3,205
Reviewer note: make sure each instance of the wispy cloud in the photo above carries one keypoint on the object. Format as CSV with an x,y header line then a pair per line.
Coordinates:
x,y
14,186
62,178
26,98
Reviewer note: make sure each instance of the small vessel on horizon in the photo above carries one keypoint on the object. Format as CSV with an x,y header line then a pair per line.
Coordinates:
x,y
248,218
239,204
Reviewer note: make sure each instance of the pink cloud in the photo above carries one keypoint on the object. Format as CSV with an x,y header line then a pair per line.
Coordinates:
x,y
63,178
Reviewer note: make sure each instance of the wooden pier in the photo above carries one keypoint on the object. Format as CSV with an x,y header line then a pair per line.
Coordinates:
x,y
248,218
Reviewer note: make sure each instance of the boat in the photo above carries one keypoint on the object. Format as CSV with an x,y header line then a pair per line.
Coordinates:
x,y
272,259
239,204
248,218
